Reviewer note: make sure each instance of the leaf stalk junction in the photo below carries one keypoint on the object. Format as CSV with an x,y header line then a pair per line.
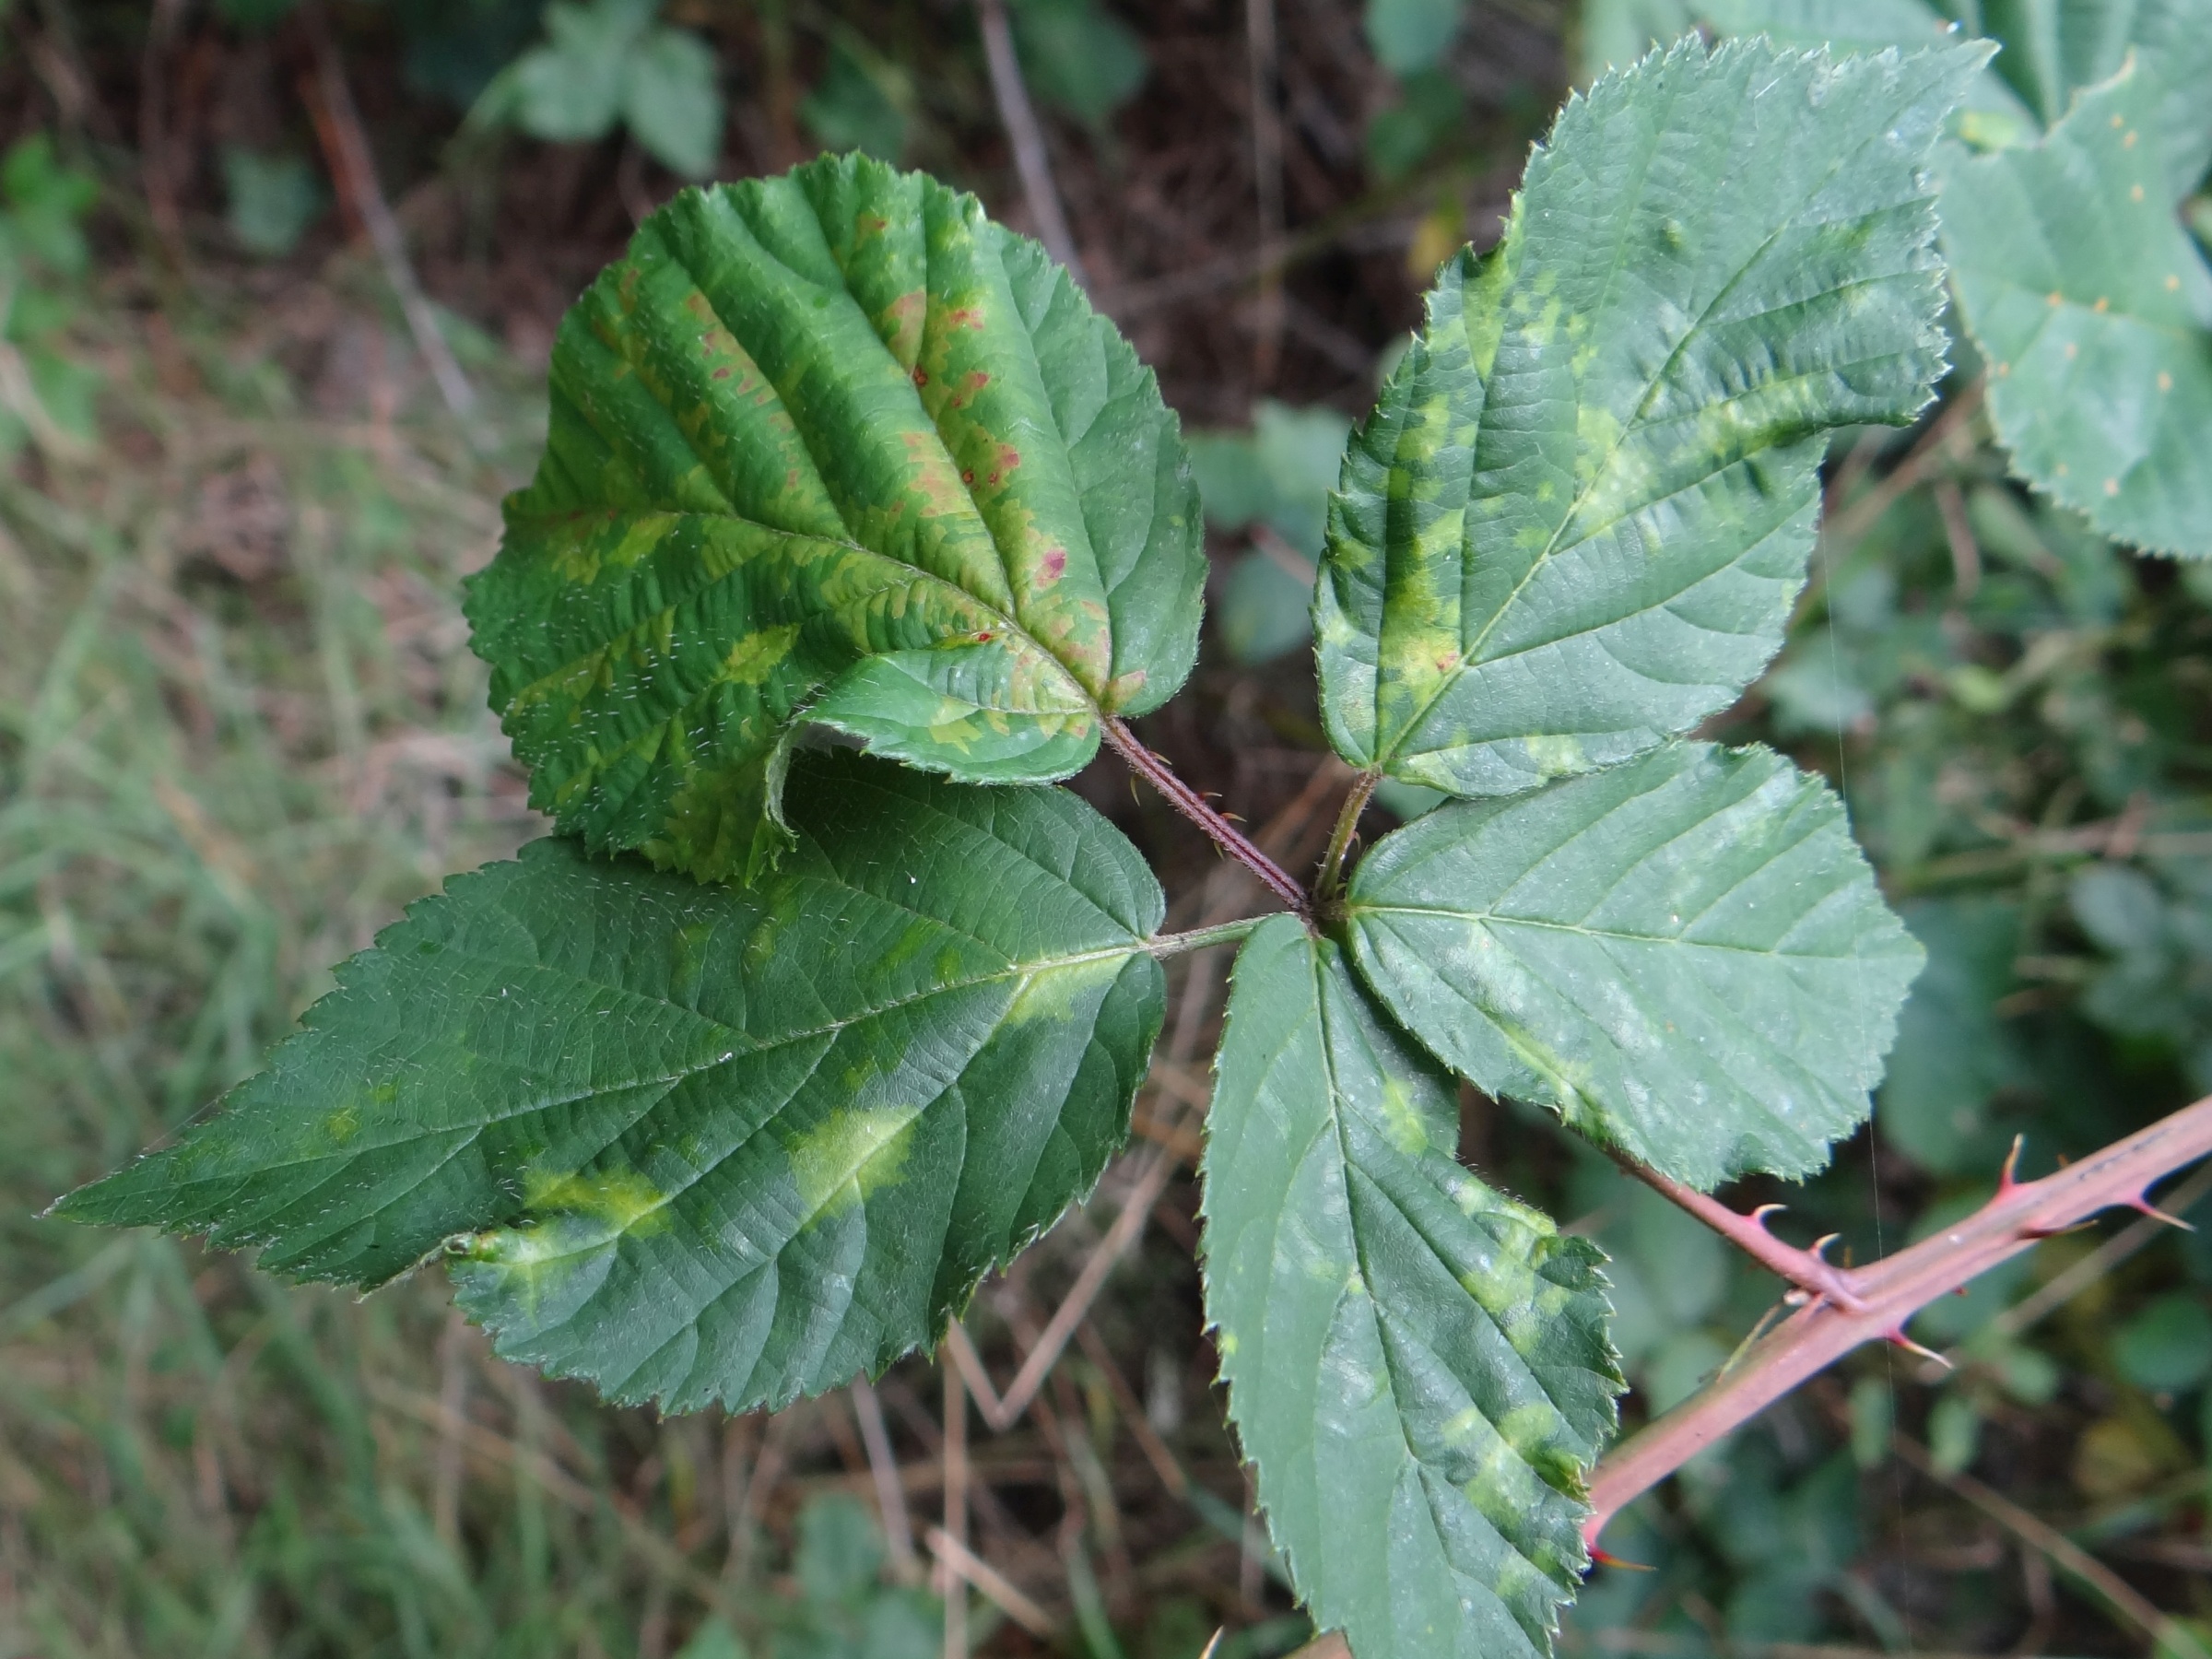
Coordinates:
x,y
1195,806
1837,1309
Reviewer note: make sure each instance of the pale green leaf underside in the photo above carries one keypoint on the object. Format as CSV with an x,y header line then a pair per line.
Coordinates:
x,y
2051,54
832,446
699,1142
1989,107
2094,309
1575,522
1417,1366
1684,955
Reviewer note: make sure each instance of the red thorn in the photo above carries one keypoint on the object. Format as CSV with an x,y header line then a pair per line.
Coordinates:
x,y
2008,1177
2140,1203
1758,1218
1600,1558
1898,1337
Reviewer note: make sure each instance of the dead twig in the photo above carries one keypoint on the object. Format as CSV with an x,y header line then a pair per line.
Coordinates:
x,y
453,1408
2061,1552
1853,517
1267,185
655,1551
345,146
1132,1412
964,1566
155,156
891,1496
955,1531
1031,161
1965,552
1003,1411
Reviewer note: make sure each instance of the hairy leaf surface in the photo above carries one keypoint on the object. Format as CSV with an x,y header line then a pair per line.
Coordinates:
x,y
831,447
2094,309
1416,1365
1686,956
1989,108
698,1142
2051,55
1575,522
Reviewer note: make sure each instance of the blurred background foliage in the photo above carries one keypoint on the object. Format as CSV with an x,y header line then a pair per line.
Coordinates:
x,y
240,728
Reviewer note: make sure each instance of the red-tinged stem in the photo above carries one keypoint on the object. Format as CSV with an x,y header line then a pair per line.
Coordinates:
x,y
1193,806
1890,1292
1806,1269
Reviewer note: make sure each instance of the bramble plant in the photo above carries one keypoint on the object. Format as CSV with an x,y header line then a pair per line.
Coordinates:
x,y
739,1084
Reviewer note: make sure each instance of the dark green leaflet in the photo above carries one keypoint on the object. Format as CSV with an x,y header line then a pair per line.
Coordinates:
x,y
1576,521
1417,1366
696,1142
1686,955
831,447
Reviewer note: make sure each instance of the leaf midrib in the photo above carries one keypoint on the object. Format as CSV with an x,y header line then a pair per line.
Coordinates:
x,y
1486,919
1346,1166
812,440
1014,969
908,574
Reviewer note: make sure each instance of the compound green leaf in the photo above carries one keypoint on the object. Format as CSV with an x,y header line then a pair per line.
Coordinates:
x,y
698,1142
1686,956
1576,521
2094,310
831,447
1417,1366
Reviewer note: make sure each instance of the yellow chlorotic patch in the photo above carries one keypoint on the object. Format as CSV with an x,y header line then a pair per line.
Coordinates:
x,y
754,657
1401,1121
1054,993
1553,756
623,1199
849,1154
